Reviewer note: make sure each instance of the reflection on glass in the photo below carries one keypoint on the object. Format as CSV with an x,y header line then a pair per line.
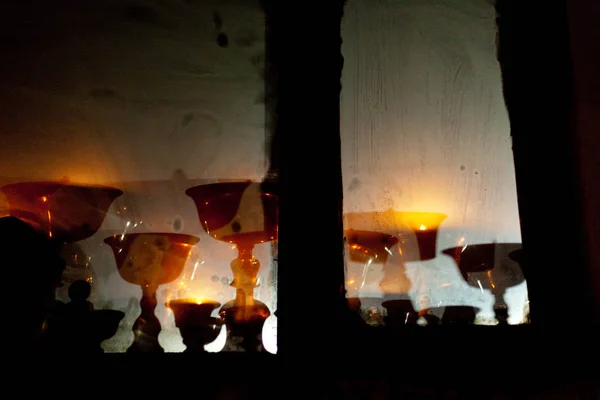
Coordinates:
x,y
149,260
196,325
150,100
245,215
65,212
68,214
416,231
78,267
366,264
490,267
426,158
376,262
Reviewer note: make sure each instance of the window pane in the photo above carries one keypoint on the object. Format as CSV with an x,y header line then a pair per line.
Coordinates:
x,y
164,103
430,207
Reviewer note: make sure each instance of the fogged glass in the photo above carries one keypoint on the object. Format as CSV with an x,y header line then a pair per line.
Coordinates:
x,y
133,135
430,208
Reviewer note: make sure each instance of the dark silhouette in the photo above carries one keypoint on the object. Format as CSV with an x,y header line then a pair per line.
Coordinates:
x,y
244,326
459,315
34,271
451,315
430,318
76,328
195,323
79,291
489,266
400,312
501,315
45,216
364,312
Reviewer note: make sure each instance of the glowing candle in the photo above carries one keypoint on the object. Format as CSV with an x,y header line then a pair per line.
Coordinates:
x,y
409,226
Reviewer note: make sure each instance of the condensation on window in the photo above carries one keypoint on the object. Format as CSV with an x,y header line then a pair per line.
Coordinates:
x,y
430,208
150,99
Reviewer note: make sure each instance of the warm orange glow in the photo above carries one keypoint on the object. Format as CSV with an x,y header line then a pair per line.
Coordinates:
x,y
394,221
194,271
189,300
420,220
156,258
489,274
44,199
49,224
168,313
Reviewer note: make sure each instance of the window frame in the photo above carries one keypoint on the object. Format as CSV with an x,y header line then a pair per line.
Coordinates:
x,y
305,81
530,36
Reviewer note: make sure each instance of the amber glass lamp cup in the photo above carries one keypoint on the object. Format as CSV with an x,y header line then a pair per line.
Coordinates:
x,y
489,266
364,249
149,260
66,212
244,214
417,231
196,325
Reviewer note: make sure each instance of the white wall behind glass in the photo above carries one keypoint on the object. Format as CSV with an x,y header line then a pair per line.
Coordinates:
x,y
424,128
112,91
138,95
